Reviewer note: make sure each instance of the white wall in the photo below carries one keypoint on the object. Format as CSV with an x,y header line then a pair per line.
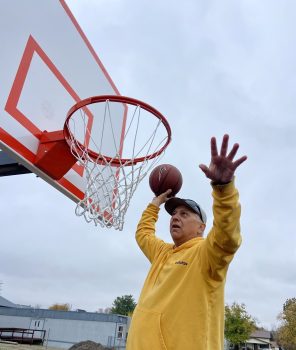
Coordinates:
x,y
63,333
68,332
14,322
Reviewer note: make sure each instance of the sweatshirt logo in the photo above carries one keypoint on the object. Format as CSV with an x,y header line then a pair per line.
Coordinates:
x,y
181,262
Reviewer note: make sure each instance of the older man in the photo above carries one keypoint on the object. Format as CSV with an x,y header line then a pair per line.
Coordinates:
x,y
181,306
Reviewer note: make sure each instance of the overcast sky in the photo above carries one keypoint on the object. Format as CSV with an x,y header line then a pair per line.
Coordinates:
x,y
211,67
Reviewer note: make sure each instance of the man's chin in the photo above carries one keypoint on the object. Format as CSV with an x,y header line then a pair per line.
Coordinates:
x,y
176,234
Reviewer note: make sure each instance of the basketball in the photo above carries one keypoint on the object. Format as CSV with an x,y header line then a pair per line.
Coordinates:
x,y
164,177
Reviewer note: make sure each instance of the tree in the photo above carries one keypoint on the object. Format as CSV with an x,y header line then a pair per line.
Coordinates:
x,y
286,333
60,307
238,324
124,305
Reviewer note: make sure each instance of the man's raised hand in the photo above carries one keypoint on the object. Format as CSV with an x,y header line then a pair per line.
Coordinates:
x,y
222,167
162,198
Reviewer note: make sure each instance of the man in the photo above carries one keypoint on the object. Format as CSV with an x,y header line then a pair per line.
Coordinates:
x,y
181,306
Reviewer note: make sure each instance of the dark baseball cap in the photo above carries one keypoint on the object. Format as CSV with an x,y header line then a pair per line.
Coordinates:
x,y
174,202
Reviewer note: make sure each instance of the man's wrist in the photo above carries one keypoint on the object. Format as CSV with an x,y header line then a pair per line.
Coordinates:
x,y
222,183
154,207
155,202
219,183
223,189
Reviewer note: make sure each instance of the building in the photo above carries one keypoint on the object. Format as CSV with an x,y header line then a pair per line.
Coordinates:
x,y
65,328
259,340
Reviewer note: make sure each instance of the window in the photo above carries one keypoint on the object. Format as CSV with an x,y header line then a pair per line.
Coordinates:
x,y
120,332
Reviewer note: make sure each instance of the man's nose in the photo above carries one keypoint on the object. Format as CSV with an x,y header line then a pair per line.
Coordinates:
x,y
175,216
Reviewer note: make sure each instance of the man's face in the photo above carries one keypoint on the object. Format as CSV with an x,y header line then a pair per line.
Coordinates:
x,y
185,225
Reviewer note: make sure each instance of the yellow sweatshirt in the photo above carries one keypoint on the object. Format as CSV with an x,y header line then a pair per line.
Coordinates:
x,y
181,306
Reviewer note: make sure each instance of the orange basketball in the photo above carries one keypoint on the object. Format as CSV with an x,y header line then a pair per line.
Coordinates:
x,y
164,177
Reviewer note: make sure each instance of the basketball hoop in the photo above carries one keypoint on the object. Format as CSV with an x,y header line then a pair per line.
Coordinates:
x,y
114,166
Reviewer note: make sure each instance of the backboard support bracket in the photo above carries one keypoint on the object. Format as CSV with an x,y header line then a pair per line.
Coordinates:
x,y
54,157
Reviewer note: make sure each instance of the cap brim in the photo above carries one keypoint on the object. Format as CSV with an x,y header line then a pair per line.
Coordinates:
x,y
172,203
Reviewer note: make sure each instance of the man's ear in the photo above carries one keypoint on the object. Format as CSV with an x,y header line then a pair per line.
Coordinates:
x,y
201,228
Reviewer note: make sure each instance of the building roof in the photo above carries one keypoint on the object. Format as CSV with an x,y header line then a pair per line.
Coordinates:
x,y
263,334
6,303
258,341
68,315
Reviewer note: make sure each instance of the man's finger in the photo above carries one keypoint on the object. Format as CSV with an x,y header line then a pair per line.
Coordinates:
x,y
166,195
232,153
204,168
239,161
168,192
224,145
214,151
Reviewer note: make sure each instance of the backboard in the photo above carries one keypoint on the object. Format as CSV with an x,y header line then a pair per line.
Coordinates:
x,y
47,65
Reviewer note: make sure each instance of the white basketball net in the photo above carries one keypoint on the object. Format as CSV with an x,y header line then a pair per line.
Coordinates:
x,y
121,134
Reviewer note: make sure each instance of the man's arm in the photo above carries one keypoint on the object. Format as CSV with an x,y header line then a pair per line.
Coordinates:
x,y
224,238
145,234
